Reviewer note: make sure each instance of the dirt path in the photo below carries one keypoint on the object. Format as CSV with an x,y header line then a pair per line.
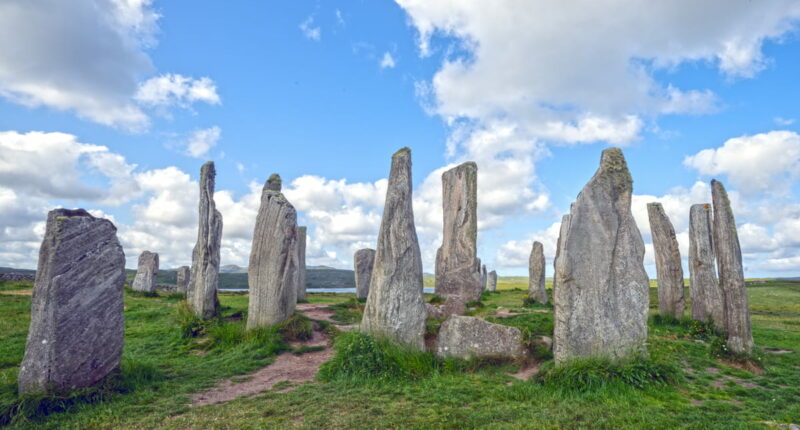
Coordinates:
x,y
295,369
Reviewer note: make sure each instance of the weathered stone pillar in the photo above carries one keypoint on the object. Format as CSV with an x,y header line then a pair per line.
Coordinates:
x,y
562,235
536,264
182,282
601,296
146,272
484,277
458,270
395,306
668,262
363,261
77,325
731,273
707,303
204,279
273,269
492,281
301,264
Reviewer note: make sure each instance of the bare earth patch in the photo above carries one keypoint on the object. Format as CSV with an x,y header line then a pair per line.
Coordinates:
x,y
17,292
526,372
778,351
316,311
503,312
291,369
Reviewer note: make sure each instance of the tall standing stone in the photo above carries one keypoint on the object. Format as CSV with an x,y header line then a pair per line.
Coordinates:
x,y
273,271
601,297
458,270
204,279
363,261
668,262
395,306
707,302
301,263
484,277
182,282
731,273
562,234
492,281
77,326
536,264
146,272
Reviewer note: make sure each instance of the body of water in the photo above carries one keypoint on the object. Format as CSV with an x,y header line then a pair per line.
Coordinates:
x,y
323,290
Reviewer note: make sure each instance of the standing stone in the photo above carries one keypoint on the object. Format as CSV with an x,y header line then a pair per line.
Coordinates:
x,y
395,306
668,262
273,271
77,326
182,283
601,298
492,281
301,264
562,234
204,279
458,270
731,273
536,264
484,277
363,260
706,294
146,272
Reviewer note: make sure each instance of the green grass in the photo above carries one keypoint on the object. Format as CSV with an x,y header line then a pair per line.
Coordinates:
x,y
374,384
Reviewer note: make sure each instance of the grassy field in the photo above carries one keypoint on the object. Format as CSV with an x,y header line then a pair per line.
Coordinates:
x,y
162,368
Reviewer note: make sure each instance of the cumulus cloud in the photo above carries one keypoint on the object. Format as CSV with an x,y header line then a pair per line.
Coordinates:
x,y
201,141
84,57
764,162
176,90
309,30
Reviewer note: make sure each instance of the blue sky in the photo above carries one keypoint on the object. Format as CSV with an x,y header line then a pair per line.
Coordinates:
x,y
113,105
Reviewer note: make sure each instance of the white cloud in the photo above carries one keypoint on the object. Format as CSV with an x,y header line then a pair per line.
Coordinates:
x,y
86,57
783,122
176,90
309,30
765,162
387,62
201,141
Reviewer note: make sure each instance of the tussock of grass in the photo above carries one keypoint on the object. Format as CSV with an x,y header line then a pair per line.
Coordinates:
x,y
131,376
175,296
297,328
348,312
361,358
475,304
190,324
592,374
529,302
143,294
436,300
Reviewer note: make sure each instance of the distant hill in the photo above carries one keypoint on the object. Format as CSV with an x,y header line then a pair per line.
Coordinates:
x,y
10,270
316,277
232,268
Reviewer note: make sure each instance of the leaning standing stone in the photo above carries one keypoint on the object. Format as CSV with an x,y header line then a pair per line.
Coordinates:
x,y
182,282
536,264
204,279
301,264
706,295
395,306
668,262
601,296
492,281
731,273
77,327
146,272
458,270
363,260
272,273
